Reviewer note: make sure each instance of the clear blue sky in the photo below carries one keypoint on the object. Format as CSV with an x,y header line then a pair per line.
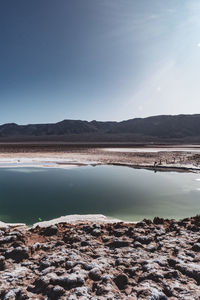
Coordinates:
x,y
98,59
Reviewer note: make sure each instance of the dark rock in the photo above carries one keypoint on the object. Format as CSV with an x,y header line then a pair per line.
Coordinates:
x,y
175,250
191,270
44,264
137,245
157,295
131,271
59,243
121,281
172,262
95,274
154,276
35,247
85,243
129,232
2,263
41,283
49,231
118,233
171,274
56,292
151,248
147,221
8,239
141,224
96,232
158,221
118,244
68,281
196,247
17,254
143,239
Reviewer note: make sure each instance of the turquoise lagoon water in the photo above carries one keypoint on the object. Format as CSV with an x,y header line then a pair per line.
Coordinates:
x,y
27,194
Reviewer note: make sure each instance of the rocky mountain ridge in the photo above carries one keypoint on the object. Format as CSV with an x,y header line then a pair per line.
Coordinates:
x,y
155,128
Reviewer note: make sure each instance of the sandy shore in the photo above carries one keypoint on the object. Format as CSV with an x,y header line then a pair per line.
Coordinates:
x,y
158,158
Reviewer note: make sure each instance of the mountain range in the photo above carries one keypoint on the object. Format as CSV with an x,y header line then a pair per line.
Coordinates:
x,y
185,128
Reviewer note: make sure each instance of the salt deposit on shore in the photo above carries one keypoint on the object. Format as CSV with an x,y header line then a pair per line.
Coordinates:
x,y
40,162
154,150
167,159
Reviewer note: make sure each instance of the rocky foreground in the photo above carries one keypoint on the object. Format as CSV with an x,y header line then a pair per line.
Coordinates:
x,y
149,260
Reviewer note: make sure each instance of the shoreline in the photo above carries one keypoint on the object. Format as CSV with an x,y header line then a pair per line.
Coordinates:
x,y
74,219
97,257
62,162
181,158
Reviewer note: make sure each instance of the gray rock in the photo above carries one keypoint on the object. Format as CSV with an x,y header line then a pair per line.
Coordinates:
x,y
118,244
35,247
57,291
96,232
157,295
143,239
196,247
50,230
17,254
121,281
68,281
95,274
8,239
2,262
81,292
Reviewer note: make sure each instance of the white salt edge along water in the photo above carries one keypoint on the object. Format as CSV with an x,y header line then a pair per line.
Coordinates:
x,y
157,149
74,219
6,225
40,162
70,219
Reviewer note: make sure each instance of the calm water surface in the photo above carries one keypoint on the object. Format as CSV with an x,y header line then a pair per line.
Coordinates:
x,y
27,194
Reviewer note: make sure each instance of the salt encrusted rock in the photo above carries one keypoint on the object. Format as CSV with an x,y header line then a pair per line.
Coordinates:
x,y
44,264
90,266
51,230
96,232
95,274
118,244
196,247
85,243
10,295
145,262
56,291
17,254
192,270
158,220
67,281
143,239
157,295
8,239
121,281
81,292
2,263
151,293
16,293
35,247
137,245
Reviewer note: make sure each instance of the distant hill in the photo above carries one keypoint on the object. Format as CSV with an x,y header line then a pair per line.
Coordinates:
x,y
163,128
